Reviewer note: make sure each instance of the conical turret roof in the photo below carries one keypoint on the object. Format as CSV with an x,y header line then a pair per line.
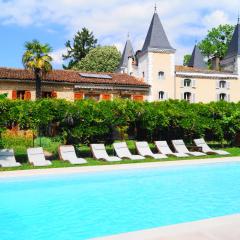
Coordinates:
x,y
156,38
127,52
197,59
234,46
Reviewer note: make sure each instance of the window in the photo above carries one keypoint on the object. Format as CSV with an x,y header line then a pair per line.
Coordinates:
x,y
78,96
106,96
223,97
222,84
46,94
187,96
143,74
161,75
92,96
161,95
20,95
126,96
138,98
187,82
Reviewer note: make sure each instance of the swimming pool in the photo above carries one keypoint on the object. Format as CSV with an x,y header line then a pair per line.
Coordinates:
x,y
83,206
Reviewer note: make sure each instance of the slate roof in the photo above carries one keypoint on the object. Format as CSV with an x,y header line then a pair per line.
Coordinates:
x,y
70,76
234,46
197,59
127,52
156,38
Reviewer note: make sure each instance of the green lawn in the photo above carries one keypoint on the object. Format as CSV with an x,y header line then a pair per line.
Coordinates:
x,y
84,151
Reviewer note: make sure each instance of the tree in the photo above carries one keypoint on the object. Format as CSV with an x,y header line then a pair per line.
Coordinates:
x,y
37,59
186,59
100,59
83,42
216,42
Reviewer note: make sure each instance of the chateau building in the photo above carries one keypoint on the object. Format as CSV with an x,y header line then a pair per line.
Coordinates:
x,y
149,74
155,63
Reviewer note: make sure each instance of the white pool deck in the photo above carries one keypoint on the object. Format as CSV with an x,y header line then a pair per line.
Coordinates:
x,y
222,228
115,167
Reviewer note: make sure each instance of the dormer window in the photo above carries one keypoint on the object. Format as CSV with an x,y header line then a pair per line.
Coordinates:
x,y
161,75
187,82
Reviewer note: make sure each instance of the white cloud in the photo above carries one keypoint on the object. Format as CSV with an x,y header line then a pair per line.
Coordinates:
x,y
111,20
57,56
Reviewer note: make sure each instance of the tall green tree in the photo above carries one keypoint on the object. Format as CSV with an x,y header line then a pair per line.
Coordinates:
x,y
216,42
100,59
37,59
186,59
83,42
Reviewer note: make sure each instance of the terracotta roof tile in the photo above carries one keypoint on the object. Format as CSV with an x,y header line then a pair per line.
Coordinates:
x,y
71,76
198,70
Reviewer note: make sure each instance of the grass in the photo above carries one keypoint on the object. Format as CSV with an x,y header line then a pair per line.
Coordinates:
x,y
84,151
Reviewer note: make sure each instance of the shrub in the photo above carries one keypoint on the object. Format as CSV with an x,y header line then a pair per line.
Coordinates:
x,y
88,121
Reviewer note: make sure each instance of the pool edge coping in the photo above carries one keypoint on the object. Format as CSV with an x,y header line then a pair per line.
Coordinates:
x,y
107,168
220,228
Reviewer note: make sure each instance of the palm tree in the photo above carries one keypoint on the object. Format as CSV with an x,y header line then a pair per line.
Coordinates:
x,y
37,59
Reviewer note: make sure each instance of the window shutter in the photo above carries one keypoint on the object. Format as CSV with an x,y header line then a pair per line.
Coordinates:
x,y
54,94
138,98
27,95
14,95
228,85
217,97
228,98
182,83
193,97
182,96
166,95
193,83
106,97
217,84
78,96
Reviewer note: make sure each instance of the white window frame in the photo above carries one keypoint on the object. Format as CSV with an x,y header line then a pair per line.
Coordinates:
x,y
161,75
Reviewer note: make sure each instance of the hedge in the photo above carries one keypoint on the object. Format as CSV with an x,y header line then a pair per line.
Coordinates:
x,y
89,121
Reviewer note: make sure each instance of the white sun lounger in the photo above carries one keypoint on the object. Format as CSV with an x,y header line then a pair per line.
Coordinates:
x,y
122,151
163,148
180,147
67,153
99,152
7,158
206,149
144,150
36,157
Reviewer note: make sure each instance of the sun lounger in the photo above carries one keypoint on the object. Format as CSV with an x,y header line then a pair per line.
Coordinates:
x,y
99,152
206,149
122,151
144,150
7,158
36,157
67,153
163,148
180,147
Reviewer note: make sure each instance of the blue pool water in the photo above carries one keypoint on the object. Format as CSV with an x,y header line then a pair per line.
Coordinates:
x,y
74,207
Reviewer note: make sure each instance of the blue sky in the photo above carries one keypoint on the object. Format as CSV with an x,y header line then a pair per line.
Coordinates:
x,y
55,21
